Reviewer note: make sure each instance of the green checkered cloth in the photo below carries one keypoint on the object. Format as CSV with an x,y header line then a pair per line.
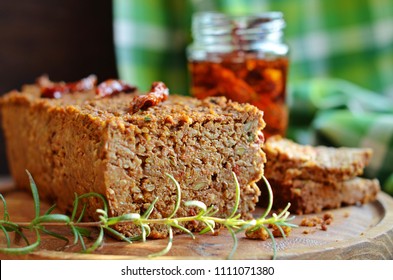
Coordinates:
x,y
341,72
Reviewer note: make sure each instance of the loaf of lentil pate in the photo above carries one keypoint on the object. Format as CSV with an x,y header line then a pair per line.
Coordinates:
x,y
110,139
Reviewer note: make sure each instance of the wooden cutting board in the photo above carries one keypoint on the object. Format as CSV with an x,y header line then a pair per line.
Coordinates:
x,y
357,232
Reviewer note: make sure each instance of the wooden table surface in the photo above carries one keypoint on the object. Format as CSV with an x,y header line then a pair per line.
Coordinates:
x,y
357,232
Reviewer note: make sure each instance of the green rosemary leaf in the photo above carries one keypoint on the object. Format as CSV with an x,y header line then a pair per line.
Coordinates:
x,y
141,237
18,232
149,210
79,233
145,231
97,243
184,230
178,194
284,211
9,226
270,196
75,207
23,250
287,224
212,210
235,242
138,237
7,236
51,218
75,233
6,216
254,228
103,217
290,218
97,195
281,230
83,231
210,223
274,244
237,217
50,209
206,230
237,196
55,234
82,242
168,247
246,226
82,213
13,227
131,217
34,192
118,234
196,203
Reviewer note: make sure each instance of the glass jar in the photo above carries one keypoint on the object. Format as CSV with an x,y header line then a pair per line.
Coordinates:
x,y
243,58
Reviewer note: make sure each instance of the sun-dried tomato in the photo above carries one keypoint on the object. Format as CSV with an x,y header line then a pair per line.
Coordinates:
x,y
111,87
246,78
51,89
158,93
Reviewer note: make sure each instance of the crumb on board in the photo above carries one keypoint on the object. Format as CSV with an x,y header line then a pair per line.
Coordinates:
x,y
278,233
310,221
314,221
308,231
323,226
346,214
327,216
262,233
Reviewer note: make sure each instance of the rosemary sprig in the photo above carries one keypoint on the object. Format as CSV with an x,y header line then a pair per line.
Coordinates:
x,y
80,230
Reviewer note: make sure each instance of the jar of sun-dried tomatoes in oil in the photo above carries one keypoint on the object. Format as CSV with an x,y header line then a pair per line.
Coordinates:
x,y
243,58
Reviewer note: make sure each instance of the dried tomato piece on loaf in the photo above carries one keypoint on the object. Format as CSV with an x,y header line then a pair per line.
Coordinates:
x,y
111,87
158,93
50,89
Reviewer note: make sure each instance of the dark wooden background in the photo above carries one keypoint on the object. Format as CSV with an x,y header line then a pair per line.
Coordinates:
x,y
66,39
